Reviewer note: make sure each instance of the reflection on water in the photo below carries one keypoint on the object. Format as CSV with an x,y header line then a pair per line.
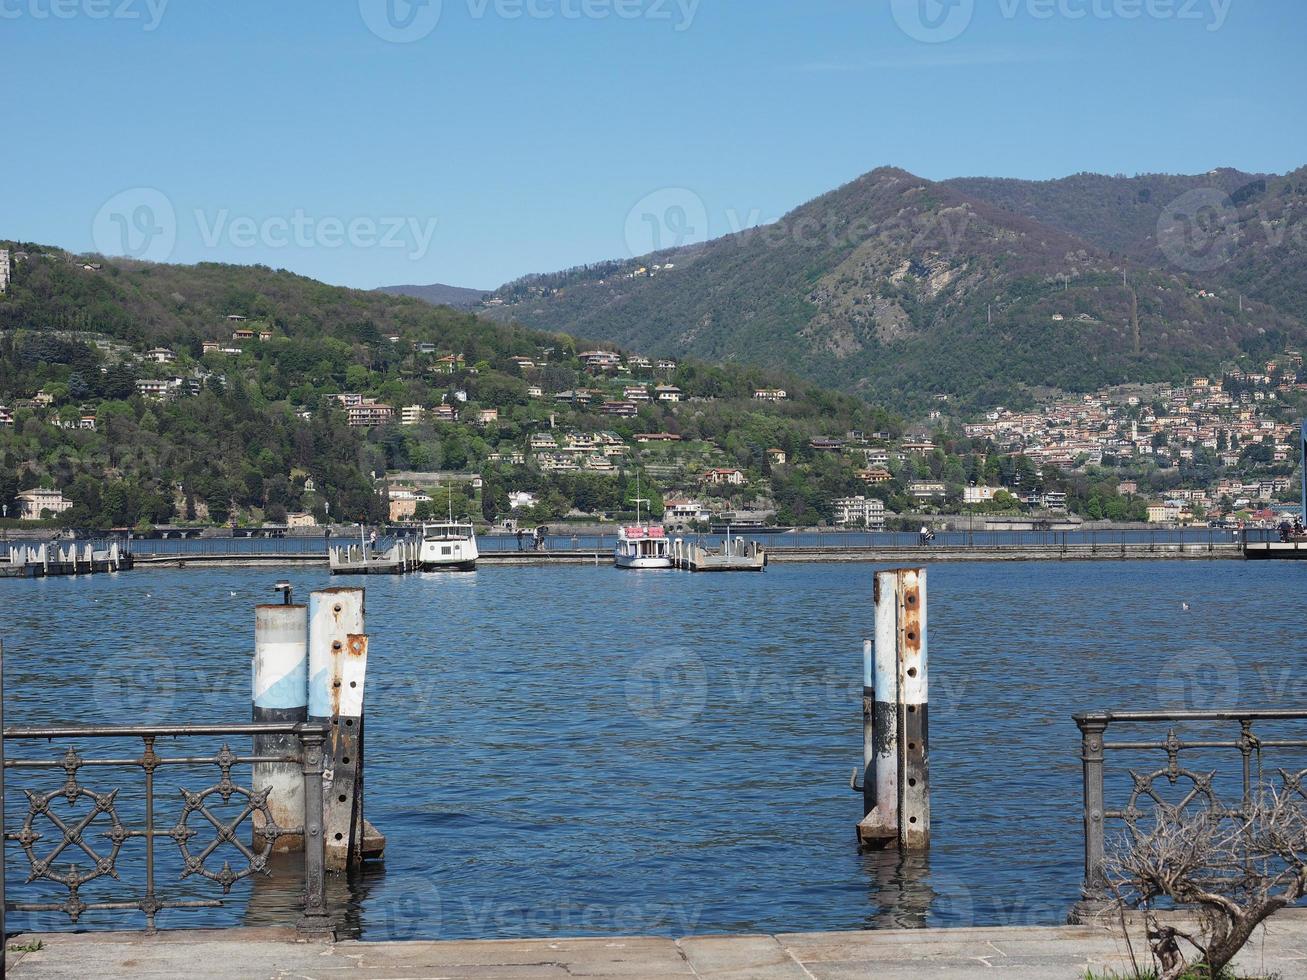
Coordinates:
x,y
574,751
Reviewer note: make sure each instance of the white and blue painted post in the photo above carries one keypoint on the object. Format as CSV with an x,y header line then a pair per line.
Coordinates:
x,y
338,658
281,694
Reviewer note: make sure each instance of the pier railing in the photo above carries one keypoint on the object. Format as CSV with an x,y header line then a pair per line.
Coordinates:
x,y
198,834
1208,760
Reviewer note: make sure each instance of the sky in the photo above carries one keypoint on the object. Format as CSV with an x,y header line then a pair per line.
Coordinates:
x,y
375,142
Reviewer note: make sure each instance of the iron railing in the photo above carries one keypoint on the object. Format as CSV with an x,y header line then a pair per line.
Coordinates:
x,y
76,848
1132,796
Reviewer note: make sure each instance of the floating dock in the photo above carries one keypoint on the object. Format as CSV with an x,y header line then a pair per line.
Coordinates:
x,y
73,558
735,555
360,559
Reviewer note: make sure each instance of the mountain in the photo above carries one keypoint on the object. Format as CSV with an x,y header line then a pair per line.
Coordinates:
x,y
904,288
1244,231
459,297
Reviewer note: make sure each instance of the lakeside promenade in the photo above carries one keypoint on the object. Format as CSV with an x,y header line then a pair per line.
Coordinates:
x,y
1014,953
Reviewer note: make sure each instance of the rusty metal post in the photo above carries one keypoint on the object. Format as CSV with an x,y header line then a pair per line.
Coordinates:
x,y
1092,730
880,825
868,727
913,708
281,693
337,665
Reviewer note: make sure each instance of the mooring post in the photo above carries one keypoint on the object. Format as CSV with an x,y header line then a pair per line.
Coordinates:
x,y
913,707
281,694
338,649
880,825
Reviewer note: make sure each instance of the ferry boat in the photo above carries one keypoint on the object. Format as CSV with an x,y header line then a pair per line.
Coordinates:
x,y
642,546
448,547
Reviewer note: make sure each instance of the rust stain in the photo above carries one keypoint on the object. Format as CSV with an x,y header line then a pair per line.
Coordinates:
x,y
357,644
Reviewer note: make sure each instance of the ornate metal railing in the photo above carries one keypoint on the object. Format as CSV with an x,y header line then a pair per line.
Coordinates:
x,y
74,847
1176,785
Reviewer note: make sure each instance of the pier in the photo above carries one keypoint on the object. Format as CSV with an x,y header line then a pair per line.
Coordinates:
x,y
735,555
362,559
72,558
1012,952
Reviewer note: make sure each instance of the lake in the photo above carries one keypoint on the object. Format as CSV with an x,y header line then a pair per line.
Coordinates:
x,y
579,751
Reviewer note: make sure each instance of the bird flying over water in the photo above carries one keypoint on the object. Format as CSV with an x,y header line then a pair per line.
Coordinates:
x,y
1184,606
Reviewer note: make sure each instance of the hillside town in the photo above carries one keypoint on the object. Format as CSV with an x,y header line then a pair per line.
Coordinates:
x,y
557,434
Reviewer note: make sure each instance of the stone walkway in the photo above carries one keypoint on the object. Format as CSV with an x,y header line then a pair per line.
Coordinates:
x,y
1049,953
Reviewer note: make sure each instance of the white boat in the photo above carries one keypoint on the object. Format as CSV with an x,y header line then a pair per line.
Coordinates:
x,y
642,546
448,547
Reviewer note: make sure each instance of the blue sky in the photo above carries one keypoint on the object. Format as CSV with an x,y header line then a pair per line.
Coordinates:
x,y
366,142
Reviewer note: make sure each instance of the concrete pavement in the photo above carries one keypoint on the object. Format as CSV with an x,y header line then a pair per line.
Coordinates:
x,y
1015,953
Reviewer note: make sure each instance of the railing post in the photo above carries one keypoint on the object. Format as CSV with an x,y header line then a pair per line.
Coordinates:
x,y
315,919
1093,891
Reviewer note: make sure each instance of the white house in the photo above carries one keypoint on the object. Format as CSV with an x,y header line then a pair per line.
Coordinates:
x,y
860,512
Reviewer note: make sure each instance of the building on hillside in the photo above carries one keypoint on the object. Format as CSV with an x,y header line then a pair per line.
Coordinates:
x,y
210,347
777,457
875,475
535,391
445,413
404,502
923,491
625,410
668,393
487,416
160,355
521,500
860,511
1167,513
647,437
771,395
4,270
979,495
725,477
6,417
412,415
35,505
601,360
300,519
369,413
157,389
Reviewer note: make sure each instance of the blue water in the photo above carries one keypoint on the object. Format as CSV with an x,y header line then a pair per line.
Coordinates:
x,y
578,751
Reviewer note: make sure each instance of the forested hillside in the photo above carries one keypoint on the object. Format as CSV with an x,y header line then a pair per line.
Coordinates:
x,y
153,394
903,289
